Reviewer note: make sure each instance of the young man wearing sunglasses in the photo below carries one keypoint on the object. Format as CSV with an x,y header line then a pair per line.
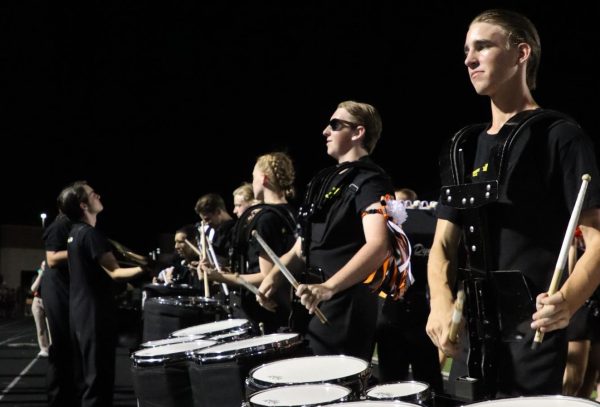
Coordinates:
x,y
339,246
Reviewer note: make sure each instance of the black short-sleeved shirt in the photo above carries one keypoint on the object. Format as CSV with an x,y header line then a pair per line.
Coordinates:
x,y
55,237
276,233
526,227
337,237
91,292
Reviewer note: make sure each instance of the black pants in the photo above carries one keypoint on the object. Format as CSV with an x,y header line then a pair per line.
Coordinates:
x,y
60,380
352,316
95,348
402,341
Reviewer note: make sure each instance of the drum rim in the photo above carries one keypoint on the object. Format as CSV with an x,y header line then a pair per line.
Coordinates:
x,y
169,300
423,395
246,325
238,332
555,397
339,380
279,388
255,350
184,339
164,359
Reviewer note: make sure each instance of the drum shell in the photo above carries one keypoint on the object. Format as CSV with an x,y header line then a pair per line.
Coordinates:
x,y
293,396
409,391
218,379
163,315
161,378
355,376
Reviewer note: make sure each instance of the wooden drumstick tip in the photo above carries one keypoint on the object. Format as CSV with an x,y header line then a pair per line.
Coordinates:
x,y
586,177
253,233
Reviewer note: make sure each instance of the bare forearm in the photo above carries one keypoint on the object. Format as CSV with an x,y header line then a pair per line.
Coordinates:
x,y
124,273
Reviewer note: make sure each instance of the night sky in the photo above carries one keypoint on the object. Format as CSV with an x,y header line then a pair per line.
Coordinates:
x,y
157,103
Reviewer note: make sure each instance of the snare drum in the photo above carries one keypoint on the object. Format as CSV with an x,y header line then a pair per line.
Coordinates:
x,y
218,375
160,374
343,370
537,401
300,396
217,330
163,315
411,391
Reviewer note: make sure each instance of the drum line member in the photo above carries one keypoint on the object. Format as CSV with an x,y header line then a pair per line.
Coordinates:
x,y
273,183
511,185
60,378
339,246
93,267
243,198
185,262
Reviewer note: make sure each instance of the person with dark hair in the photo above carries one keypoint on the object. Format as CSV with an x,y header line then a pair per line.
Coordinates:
x,y
184,264
60,378
93,270
219,223
343,238
510,186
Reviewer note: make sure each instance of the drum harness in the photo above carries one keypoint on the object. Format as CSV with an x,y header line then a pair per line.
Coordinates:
x,y
473,200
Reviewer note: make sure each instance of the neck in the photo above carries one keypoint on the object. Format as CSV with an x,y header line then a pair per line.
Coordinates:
x,y
89,218
274,197
352,155
505,105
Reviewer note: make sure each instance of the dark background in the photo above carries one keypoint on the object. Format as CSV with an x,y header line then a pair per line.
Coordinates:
x,y
157,103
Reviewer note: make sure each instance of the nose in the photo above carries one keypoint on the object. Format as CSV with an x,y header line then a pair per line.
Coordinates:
x,y
327,131
471,60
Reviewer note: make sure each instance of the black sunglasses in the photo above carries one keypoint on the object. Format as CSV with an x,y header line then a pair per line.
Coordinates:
x,y
338,124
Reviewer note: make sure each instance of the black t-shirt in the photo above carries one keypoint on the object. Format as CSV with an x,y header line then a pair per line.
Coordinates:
x,y
55,237
91,293
527,225
276,233
336,237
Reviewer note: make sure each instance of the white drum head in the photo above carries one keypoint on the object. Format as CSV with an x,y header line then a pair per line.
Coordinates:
x,y
302,395
173,348
245,346
212,327
537,401
169,341
310,369
369,403
400,389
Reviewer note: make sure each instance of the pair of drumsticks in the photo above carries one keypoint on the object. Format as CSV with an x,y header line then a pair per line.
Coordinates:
x,y
274,258
556,276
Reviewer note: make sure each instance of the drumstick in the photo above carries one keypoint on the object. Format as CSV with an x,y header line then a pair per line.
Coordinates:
x,y
285,271
203,257
564,249
240,280
456,316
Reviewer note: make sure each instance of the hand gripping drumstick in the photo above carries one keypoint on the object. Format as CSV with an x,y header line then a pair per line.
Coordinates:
x,y
456,316
285,271
564,249
238,278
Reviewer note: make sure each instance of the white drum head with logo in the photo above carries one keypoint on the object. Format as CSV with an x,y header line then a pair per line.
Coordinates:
x,y
302,395
399,390
213,328
537,401
310,369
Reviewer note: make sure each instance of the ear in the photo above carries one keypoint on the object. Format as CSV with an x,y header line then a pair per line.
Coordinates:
x,y
524,51
83,206
359,134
